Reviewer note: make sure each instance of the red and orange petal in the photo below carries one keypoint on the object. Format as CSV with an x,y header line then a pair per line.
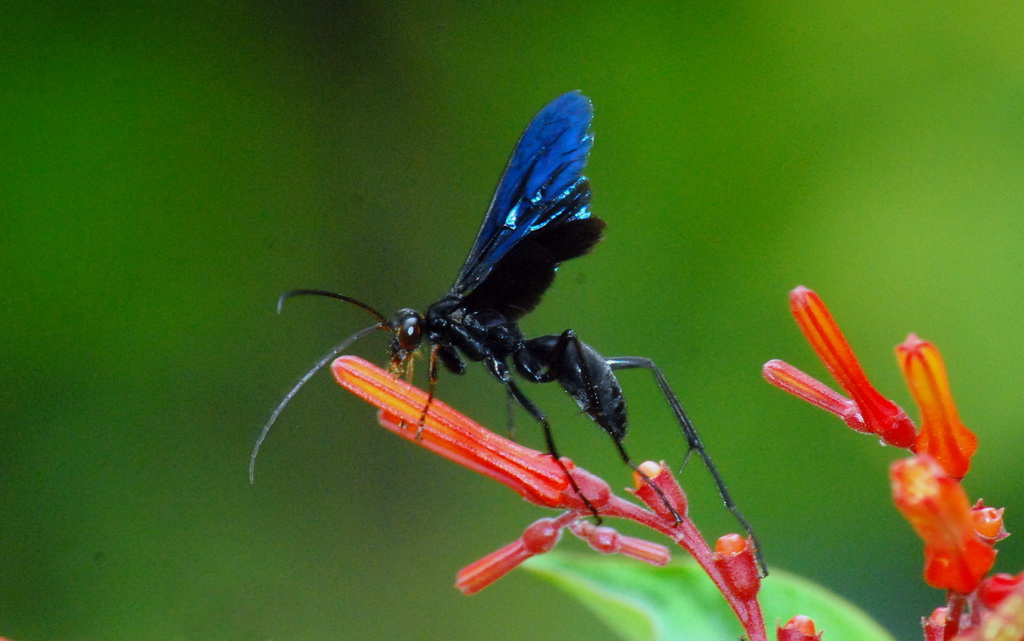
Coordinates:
x,y
535,476
882,417
997,587
942,435
958,570
937,508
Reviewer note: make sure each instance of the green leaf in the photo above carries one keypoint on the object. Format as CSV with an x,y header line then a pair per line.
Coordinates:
x,y
679,602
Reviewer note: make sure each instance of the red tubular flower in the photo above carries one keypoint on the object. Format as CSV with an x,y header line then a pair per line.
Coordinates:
x,y
532,474
539,538
936,506
804,386
542,536
881,416
942,436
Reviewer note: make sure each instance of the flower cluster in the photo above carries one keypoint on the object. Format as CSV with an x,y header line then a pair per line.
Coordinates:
x,y
538,478
959,538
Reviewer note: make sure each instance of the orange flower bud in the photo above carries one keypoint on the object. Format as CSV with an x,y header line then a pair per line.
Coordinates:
x,y
988,523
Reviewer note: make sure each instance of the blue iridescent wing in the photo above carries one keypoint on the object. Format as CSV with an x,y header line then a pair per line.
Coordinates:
x,y
539,216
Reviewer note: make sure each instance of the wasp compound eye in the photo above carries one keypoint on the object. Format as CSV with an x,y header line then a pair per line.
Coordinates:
x,y
409,332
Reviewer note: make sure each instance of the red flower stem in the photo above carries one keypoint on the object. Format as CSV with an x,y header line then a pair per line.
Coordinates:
x,y
956,603
687,536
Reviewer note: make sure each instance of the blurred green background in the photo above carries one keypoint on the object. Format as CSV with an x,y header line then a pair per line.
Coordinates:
x,y
169,170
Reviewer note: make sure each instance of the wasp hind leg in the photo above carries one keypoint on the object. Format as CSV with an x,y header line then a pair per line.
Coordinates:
x,y
693,442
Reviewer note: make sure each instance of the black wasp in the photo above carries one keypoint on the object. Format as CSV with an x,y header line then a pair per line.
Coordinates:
x,y
539,217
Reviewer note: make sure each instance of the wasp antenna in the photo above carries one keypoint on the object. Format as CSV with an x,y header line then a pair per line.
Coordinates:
x,y
321,292
327,358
